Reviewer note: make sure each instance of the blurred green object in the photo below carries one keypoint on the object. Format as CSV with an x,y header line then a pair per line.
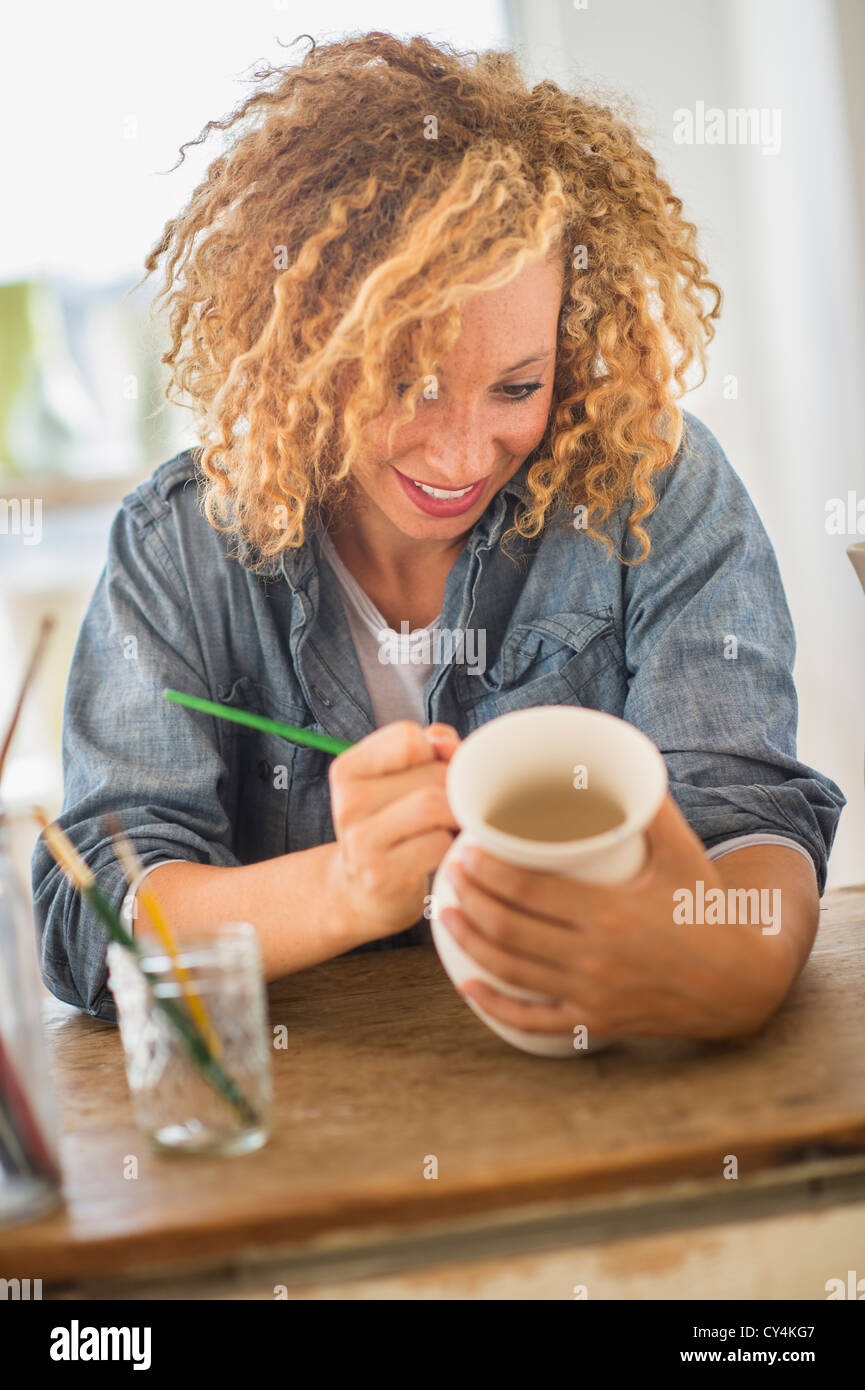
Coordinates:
x,y
81,382
17,356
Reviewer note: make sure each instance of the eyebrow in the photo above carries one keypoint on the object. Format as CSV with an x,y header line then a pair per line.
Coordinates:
x,y
526,361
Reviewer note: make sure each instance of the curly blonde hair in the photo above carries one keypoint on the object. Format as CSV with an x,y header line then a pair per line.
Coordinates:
x,y
366,194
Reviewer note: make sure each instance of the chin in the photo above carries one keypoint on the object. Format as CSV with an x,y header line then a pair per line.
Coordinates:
x,y
422,527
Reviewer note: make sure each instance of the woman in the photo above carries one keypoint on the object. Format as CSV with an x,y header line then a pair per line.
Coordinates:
x,y
435,325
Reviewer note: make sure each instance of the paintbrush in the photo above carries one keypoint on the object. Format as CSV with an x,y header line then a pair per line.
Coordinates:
x,y
81,876
132,868
325,742
36,657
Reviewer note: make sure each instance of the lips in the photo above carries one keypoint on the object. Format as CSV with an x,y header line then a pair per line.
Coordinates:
x,y
441,506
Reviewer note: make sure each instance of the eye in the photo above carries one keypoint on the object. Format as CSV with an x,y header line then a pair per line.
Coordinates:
x,y
526,389
523,390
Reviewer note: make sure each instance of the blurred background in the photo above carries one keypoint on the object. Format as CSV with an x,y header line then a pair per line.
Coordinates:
x,y
97,100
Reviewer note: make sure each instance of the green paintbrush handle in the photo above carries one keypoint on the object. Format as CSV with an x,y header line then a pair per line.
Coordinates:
x,y
205,1060
259,721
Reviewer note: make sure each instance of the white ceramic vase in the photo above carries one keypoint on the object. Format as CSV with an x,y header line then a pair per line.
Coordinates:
x,y
527,746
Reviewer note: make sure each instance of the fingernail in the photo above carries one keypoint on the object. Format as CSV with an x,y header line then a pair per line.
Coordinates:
x,y
441,733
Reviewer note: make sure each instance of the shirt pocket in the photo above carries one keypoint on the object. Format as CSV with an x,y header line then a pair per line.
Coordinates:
x,y
568,658
262,769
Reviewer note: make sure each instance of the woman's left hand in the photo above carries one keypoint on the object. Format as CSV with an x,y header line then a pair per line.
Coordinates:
x,y
611,957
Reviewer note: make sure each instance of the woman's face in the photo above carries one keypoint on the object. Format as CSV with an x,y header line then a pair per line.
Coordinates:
x,y
494,391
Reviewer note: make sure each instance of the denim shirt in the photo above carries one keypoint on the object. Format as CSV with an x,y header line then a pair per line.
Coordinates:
x,y
695,646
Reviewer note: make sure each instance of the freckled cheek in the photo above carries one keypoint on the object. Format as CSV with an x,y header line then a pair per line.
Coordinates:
x,y
528,427
375,440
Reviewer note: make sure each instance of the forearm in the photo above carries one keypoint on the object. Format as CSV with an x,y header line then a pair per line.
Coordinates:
x,y
296,903
777,955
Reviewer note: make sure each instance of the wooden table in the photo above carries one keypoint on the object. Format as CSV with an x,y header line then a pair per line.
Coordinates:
x,y
603,1174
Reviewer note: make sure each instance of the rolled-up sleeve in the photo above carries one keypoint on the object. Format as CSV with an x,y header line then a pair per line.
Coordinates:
x,y
710,647
158,767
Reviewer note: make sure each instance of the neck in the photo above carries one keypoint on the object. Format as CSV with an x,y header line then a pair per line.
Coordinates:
x,y
363,535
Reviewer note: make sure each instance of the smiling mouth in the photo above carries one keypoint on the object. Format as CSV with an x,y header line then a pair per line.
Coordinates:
x,y
444,494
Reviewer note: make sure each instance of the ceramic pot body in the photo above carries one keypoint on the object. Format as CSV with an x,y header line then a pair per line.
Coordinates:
x,y
593,749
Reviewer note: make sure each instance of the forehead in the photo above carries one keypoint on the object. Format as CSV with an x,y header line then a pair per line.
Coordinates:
x,y
516,321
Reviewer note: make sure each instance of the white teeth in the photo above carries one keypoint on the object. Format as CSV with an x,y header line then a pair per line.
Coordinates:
x,y
442,492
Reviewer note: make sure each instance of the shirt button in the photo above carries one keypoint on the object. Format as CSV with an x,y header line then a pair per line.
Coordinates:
x,y
325,699
264,770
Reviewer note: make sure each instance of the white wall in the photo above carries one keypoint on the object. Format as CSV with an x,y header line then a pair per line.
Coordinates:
x,y
782,236
96,99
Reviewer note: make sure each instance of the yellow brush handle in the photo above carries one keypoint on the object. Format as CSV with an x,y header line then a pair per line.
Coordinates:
x,y
157,917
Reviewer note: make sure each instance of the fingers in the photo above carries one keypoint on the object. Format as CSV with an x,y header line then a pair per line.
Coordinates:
x,y
404,873
442,731
354,798
393,748
506,925
556,1017
419,857
371,839
505,965
541,893
444,739
390,810
387,765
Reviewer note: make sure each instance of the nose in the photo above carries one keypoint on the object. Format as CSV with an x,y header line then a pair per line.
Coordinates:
x,y
458,448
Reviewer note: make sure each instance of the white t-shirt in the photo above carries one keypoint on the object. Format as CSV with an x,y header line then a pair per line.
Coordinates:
x,y
395,684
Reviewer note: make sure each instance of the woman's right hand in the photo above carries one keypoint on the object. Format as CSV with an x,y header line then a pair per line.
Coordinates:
x,y
392,822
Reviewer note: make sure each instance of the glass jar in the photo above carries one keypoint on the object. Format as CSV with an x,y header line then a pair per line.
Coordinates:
x,y
176,1104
